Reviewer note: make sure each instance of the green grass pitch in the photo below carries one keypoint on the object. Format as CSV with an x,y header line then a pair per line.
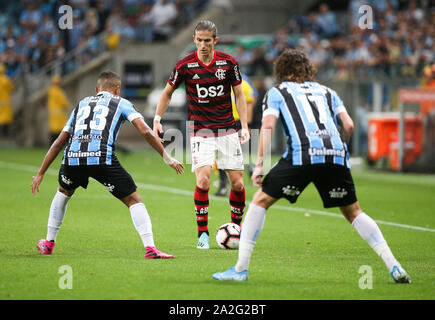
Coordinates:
x,y
304,252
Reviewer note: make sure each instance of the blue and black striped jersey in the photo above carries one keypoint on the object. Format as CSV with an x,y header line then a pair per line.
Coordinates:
x,y
94,125
308,113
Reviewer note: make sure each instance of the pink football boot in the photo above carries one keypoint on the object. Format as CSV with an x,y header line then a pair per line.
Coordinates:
x,y
153,253
45,246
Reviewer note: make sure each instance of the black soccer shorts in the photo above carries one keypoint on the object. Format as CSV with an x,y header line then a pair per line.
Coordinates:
x,y
114,177
333,182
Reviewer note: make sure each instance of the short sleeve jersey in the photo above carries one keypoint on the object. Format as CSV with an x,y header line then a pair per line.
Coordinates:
x,y
308,112
208,90
94,125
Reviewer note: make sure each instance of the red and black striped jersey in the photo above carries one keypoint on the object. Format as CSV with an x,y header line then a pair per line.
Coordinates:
x,y
208,90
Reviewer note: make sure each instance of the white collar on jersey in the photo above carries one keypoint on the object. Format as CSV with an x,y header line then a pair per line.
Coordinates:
x,y
103,91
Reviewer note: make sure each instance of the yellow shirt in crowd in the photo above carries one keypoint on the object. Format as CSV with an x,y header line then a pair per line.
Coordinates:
x,y
57,108
6,113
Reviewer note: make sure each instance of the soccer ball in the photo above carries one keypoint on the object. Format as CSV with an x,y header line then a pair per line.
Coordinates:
x,y
228,236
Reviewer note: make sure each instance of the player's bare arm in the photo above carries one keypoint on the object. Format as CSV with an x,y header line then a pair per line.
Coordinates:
x,y
52,153
264,143
162,106
242,109
347,126
154,142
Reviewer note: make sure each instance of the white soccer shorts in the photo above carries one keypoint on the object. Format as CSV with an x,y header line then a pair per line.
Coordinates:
x,y
225,149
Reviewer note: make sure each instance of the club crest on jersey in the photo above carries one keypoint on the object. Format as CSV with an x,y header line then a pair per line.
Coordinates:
x,y
220,74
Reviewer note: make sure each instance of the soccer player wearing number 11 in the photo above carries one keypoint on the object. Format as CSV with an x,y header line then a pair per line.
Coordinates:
x,y
89,137
310,115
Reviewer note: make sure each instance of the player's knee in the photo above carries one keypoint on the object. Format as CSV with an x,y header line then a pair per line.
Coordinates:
x,y
68,193
203,182
237,185
350,212
263,200
131,199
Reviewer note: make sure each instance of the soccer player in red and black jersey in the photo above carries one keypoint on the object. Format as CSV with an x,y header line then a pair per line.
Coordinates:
x,y
208,75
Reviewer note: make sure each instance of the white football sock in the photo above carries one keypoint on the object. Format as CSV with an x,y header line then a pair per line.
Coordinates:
x,y
370,232
252,226
56,215
142,223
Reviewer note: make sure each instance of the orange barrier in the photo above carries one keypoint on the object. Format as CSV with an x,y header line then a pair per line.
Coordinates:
x,y
383,137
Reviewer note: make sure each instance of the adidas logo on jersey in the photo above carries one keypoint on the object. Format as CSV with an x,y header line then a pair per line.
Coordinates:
x,y
195,77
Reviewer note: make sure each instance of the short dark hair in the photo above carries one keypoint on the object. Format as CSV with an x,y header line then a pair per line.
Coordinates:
x,y
294,65
206,25
108,80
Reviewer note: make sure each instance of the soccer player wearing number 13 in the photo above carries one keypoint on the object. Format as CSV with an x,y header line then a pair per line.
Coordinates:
x,y
89,137
316,152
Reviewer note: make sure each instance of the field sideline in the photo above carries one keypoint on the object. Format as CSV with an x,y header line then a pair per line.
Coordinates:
x,y
303,253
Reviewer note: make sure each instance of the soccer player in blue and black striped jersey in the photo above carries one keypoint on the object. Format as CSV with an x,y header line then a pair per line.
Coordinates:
x,y
89,139
317,128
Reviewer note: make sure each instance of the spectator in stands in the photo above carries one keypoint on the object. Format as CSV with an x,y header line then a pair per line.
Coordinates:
x,y
259,63
103,8
163,15
145,27
30,34
77,32
114,20
31,17
57,105
186,10
112,37
6,112
245,59
415,12
279,43
92,22
427,107
327,22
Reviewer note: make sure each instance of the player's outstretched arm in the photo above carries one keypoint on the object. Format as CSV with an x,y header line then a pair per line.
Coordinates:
x,y
162,106
242,110
264,143
154,142
52,153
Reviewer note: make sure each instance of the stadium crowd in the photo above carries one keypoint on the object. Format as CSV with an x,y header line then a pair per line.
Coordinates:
x,y
30,36
400,40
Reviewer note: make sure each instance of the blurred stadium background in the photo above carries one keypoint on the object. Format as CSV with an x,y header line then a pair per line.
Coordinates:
x,y
368,62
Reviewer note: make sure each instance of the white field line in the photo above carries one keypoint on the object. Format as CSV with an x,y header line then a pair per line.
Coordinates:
x,y
34,169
